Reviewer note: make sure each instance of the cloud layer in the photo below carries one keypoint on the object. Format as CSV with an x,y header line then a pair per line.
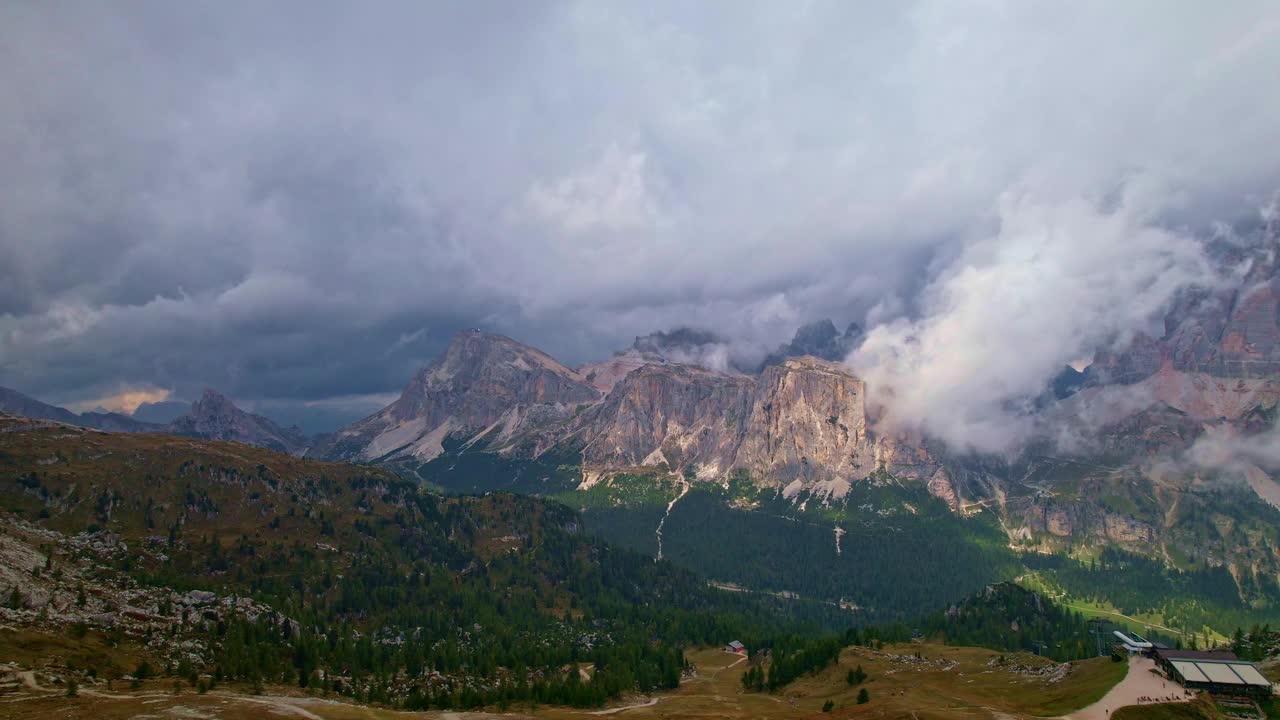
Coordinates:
x,y
302,201
1054,283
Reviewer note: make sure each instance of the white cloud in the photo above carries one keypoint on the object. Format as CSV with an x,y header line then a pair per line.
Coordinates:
x,y
1058,280
611,196
1223,447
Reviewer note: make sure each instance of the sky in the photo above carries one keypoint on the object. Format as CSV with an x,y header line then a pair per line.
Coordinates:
x,y
299,203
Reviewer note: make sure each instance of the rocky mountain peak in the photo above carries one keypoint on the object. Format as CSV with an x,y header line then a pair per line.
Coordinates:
x,y
483,383
213,405
473,354
215,417
820,339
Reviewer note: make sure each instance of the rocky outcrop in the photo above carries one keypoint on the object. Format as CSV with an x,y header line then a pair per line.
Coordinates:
x,y
483,386
1084,520
215,417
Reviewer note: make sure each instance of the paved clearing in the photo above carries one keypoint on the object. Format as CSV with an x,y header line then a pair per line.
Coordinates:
x,y
1139,682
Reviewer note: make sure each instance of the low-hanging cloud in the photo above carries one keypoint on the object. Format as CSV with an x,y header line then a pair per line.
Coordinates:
x,y
1228,449
1057,281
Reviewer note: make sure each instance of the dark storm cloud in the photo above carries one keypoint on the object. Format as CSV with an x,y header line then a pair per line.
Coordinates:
x,y
299,201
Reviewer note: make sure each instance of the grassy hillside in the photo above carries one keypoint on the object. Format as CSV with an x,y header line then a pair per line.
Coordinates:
x,y
220,562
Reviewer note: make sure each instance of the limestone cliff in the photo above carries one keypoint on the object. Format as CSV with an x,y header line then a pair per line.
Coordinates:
x,y
801,421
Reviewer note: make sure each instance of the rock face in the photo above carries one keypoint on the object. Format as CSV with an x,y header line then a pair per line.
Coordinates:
x,y
802,420
675,415
214,417
484,385
1085,521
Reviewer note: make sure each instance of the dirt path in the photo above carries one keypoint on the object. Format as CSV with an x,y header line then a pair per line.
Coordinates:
x,y
279,704
1138,683
649,703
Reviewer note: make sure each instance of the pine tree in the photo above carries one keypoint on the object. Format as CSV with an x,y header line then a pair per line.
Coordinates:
x,y
864,697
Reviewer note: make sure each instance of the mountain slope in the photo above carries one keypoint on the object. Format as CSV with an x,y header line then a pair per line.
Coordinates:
x,y
268,567
15,403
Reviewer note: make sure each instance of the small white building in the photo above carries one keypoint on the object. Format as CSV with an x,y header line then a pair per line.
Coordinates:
x,y
1134,644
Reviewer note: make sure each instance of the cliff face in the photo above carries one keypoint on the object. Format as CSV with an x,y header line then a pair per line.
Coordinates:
x,y
679,415
802,421
483,384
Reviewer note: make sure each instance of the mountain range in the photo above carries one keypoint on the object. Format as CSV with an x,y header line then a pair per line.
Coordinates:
x,y
212,417
1127,456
